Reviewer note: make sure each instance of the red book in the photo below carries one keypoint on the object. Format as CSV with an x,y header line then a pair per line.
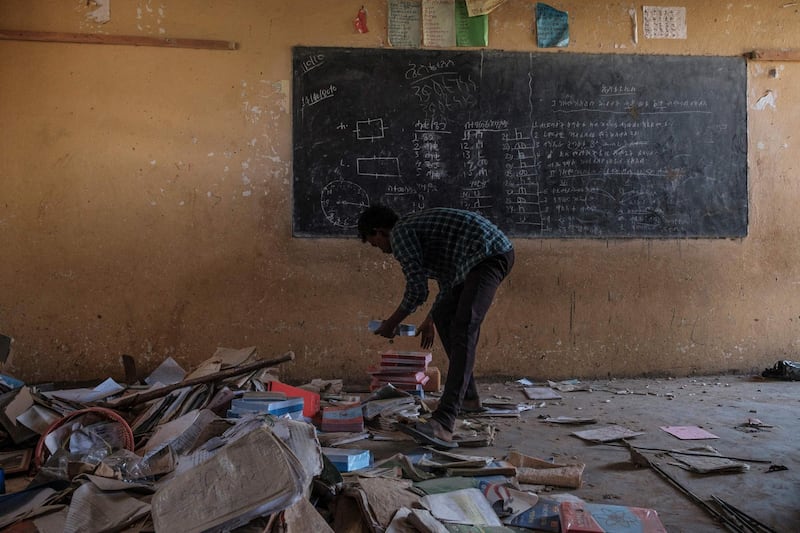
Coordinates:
x,y
414,358
404,377
575,518
400,369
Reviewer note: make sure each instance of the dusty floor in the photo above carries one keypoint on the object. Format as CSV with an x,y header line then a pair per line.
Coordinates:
x,y
717,404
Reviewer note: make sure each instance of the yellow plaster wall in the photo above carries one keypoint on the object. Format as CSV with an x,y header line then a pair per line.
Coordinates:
x,y
146,206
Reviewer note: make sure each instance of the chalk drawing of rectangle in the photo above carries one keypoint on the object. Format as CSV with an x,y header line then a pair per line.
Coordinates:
x,y
370,129
378,166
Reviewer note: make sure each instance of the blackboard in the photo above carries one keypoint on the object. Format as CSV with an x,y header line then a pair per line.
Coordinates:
x,y
543,144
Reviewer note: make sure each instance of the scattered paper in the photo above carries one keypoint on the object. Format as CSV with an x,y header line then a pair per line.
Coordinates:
x,y
569,385
689,432
607,434
94,510
465,506
574,420
167,373
541,393
107,388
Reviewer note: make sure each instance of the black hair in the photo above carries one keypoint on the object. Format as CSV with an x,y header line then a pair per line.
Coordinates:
x,y
374,217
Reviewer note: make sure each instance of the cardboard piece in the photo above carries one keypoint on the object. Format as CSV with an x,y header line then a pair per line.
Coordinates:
x,y
385,495
238,493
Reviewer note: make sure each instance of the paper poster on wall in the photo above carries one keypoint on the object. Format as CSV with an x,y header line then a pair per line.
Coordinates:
x,y
470,31
552,27
405,21
482,7
438,23
664,22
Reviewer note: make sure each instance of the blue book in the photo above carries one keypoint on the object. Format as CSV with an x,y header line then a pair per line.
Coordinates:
x,y
347,460
290,406
544,516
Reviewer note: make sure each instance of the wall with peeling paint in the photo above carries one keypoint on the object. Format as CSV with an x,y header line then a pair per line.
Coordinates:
x,y
146,206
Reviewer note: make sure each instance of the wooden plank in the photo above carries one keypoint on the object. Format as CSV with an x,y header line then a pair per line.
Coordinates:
x,y
774,55
124,40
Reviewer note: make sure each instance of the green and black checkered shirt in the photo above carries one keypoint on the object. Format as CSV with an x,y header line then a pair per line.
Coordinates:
x,y
442,244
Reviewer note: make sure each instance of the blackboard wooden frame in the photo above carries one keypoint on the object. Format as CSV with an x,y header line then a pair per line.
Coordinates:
x,y
547,145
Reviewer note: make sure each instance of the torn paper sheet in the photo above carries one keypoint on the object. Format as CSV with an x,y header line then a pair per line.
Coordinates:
x,y
107,388
768,100
223,358
102,12
92,510
167,373
38,418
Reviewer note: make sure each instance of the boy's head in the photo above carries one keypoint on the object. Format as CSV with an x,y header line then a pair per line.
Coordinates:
x,y
375,218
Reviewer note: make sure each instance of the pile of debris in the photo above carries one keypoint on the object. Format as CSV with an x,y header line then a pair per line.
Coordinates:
x,y
230,447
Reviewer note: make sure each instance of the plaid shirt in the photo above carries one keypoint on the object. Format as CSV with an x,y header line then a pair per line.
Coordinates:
x,y
442,244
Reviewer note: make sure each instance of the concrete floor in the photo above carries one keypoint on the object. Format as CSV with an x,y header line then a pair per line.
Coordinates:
x,y
717,404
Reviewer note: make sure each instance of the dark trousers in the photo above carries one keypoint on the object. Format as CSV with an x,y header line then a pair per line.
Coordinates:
x,y
458,319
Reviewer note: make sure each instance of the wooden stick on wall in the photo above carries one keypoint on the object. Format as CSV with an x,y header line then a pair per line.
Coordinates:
x,y
774,55
126,40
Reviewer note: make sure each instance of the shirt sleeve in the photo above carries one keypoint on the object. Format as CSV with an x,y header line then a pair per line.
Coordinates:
x,y
408,252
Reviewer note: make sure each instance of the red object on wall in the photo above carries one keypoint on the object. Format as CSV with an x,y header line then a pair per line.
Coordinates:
x,y
360,22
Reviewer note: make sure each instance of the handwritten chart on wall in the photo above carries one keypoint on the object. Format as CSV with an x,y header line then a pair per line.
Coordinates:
x,y
543,144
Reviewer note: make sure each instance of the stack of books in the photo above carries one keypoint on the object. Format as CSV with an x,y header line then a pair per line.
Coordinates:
x,y
339,418
403,370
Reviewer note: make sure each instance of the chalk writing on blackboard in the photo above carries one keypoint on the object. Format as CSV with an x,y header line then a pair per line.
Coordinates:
x,y
545,145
